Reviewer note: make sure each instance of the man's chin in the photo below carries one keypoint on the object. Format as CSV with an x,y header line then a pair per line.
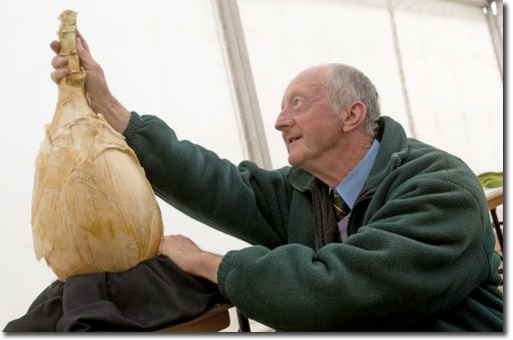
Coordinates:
x,y
294,161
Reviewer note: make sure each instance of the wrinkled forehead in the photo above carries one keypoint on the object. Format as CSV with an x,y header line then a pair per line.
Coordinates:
x,y
310,80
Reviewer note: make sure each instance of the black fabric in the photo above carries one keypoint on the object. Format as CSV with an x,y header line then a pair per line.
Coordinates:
x,y
326,228
150,296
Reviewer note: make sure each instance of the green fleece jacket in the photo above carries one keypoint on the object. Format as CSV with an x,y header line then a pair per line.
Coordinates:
x,y
419,257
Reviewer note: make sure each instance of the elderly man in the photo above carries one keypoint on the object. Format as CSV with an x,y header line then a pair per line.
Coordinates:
x,y
367,230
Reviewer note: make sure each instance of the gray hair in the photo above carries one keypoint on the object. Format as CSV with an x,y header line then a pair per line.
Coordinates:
x,y
344,85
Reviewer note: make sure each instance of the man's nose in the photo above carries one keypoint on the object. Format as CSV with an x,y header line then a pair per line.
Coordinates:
x,y
283,121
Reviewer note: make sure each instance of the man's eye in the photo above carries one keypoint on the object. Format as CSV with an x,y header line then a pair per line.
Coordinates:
x,y
296,101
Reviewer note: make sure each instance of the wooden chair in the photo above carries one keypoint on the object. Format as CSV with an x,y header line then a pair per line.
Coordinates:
x,y
215,319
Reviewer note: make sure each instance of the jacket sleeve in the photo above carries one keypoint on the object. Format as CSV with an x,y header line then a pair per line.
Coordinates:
x,y
210,189
420,252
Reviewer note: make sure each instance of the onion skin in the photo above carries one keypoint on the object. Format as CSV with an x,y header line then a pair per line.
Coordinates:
x,y
93,209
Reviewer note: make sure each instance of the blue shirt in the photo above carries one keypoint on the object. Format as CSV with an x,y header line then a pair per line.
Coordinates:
x,y
353,183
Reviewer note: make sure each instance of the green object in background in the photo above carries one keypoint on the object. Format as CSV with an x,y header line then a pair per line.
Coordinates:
x,y
491,179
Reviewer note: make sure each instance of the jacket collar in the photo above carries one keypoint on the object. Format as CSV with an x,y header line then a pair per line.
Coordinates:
x,y
393,148
301,180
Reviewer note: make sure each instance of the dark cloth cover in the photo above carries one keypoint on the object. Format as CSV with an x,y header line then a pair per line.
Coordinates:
x,y
152,295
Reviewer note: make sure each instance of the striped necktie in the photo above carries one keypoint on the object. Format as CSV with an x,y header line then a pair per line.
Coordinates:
x,y
339,206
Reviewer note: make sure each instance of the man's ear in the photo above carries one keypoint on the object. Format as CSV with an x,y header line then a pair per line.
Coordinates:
x,y
355,115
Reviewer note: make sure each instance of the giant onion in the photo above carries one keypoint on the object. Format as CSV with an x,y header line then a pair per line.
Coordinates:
x,y
93,210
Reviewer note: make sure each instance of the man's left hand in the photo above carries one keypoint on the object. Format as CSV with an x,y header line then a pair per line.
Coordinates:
x,y
189,257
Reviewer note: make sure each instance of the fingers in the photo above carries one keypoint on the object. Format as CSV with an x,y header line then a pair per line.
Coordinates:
x,y
58,74
82,50
165,243
170,241
58,63
162,245
55,46
172,244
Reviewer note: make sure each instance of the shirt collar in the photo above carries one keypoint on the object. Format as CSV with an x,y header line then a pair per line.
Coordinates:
x,y
352,184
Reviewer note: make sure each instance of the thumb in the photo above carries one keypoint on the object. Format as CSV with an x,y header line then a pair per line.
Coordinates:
x,y
85,56
83,42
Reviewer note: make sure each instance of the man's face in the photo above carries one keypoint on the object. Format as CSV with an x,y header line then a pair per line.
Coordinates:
x,y
309,128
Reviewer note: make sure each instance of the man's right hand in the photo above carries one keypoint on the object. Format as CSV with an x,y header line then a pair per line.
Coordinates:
x,y
100,98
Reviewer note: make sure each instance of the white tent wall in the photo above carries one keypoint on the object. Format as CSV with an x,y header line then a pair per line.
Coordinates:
x,y
298,34
436,74
432,61
453,80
